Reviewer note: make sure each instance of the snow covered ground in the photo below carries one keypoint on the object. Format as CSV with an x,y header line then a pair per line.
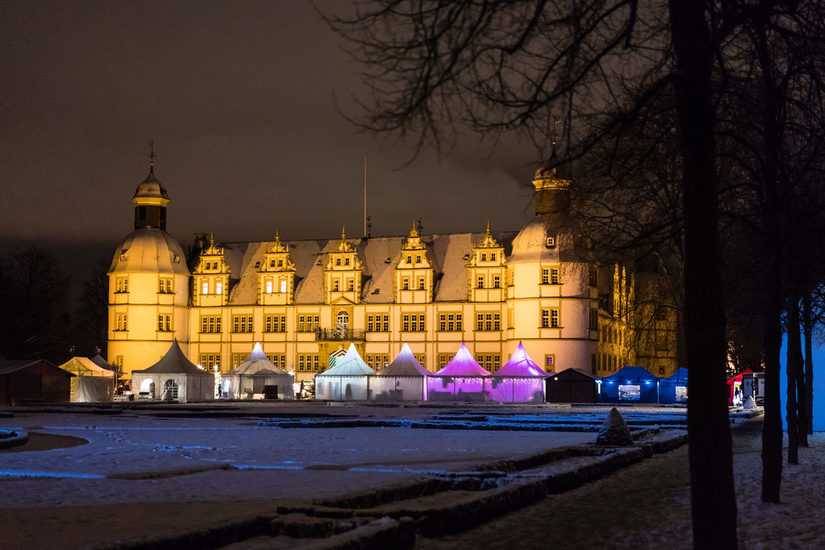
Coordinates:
x,y
139,458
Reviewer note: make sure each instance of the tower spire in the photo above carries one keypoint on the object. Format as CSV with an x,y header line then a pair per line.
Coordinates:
x,y
151,157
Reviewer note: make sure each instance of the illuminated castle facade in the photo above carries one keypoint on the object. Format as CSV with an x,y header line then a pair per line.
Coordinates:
x,y
307,300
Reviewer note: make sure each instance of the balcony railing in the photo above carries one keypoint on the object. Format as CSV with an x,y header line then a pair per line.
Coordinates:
x,y
339,334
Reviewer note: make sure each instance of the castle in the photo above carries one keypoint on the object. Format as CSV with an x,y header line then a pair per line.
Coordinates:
x,y
307,300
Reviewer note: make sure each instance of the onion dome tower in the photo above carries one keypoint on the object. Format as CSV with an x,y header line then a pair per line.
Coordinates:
x,y
148,285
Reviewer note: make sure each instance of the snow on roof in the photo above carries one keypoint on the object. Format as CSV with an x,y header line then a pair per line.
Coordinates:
x,y
520,364
257,363
174,362
350,364
449,255
462,364
405,364
83,366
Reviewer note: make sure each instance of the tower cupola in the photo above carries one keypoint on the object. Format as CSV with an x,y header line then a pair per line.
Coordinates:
x,y
552,192
150,202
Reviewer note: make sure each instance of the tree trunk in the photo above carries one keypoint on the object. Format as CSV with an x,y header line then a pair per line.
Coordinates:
x,y
807,328
713,501
792,366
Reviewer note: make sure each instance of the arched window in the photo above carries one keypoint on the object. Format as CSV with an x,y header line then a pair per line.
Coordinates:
x,y
342,322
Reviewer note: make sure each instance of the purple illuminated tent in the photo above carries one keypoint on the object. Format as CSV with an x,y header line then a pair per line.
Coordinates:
x,y
518,381
402,380
463,379
348,380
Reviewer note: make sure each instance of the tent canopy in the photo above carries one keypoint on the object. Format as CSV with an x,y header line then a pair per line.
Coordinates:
x,y
631,375
257,363
405,364
350,364
462,364
81,366
174,362
520,364
678,377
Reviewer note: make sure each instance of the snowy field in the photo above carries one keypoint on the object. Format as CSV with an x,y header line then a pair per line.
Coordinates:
x,y
141,458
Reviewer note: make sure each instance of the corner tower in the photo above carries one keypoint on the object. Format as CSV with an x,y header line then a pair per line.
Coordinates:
x,y
148,285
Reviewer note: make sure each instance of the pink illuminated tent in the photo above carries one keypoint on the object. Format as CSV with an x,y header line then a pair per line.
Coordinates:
x,y
463,379
518,381
402,380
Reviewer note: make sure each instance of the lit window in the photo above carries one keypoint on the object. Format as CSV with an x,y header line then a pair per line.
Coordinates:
x,y
283,285
205,288
218,288
269,287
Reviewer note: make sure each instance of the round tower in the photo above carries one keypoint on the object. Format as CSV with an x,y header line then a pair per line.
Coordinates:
x,y
148,285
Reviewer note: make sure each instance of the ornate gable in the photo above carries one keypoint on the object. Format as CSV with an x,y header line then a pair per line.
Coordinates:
x,y
211,277
276,275
343,273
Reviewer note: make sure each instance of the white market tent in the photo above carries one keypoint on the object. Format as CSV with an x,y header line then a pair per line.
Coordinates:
x,y
520,380
463,379
90,383
174,378
256,377
402,380
348,380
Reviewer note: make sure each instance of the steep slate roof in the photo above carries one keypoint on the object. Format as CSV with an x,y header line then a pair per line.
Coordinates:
x,y
350,364
449,255
405,364
174,362
462,364
520,364
257,363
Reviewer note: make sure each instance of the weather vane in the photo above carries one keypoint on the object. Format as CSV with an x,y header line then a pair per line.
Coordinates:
x,y
151,155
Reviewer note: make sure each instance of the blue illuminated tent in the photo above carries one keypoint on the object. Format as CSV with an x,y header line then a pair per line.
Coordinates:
x,y
629,385
673,389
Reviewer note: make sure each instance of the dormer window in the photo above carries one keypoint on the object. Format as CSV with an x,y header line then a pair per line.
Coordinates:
x,y
272,263
280,263
337,261
550,242
492,256
418,259
409,259
346,261
483,257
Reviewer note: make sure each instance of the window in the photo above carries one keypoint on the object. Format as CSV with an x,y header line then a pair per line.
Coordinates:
x,y
550,363
554,276
278,359
483,257
418,259
554,318
283,286
165,285
377,360
210,360
450,322
205,287
421,358
496,281
405,283
335,285
307,363
490,363
237,359
164,323
268,287
378,323
308,323
545,276
280,263
350,285
170,388
488,321
121,322
550,242
421,283
346,261
550,318
219,288
413,322
492,256
271,263
210,323
275,323
342,320
337,261
409,259
122,285
594,320
480,282
444,359
242,323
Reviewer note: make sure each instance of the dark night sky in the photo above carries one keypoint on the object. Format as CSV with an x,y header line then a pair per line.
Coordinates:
x,y
240,100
